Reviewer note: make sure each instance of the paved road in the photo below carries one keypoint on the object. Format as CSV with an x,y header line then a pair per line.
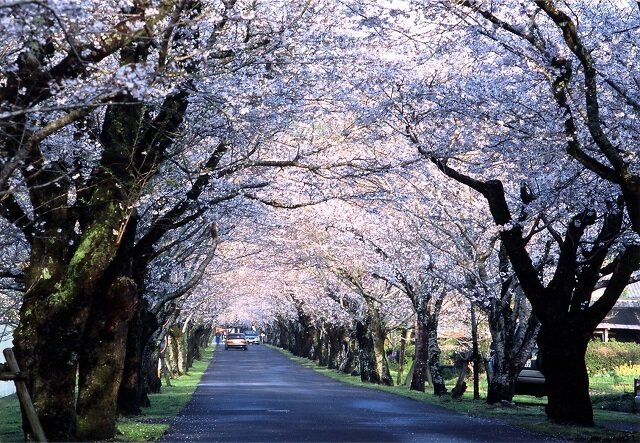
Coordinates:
x,y
260,395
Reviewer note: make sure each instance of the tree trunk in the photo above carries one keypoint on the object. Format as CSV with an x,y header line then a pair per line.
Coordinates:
x,y
178,338
132,395
324,345
475,353
348,361
421,358
404,337
437,379
102,361
171,356
47,351
336,336
198,338
461,385
562,359
378,336
513,329
152,362
366,354
54,314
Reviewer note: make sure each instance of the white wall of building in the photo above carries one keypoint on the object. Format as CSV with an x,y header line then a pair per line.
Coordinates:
x,y
6,387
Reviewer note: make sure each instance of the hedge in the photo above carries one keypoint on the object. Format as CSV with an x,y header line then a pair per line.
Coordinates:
x,y
606,357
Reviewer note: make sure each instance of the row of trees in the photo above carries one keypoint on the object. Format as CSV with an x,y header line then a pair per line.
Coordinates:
x,y
348,167
125,129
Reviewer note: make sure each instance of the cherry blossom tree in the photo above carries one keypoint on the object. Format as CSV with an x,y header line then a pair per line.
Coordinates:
x,y
480,121
90,121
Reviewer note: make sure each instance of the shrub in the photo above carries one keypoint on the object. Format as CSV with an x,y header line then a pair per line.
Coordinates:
x,y
607,357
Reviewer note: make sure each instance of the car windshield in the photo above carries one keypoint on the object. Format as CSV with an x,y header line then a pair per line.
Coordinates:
x,y
251,333
236,335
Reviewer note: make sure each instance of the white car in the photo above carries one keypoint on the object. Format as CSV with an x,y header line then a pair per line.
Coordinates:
x,y
252,337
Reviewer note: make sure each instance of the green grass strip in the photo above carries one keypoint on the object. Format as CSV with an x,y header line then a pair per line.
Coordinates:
x,y
155,420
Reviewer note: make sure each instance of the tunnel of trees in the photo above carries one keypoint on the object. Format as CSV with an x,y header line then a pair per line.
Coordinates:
x,y
340,175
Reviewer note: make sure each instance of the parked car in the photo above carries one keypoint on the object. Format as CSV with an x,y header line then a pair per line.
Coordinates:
x,y
530,381
236,340
252,337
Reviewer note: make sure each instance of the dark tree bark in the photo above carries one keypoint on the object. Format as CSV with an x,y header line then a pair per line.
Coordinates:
x,y
102,362
437,379
324,345
564,308
404,338
48,340
513,329
133,392
337,337
348,361
421,357
378,333
366,353
427,357
140,346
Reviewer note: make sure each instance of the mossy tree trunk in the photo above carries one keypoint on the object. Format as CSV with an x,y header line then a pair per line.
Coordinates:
x,y
366,352
379,335
48,340
102,362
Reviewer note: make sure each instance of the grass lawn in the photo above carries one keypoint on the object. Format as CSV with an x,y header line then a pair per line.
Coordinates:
x,y
10,421
527,413
150,426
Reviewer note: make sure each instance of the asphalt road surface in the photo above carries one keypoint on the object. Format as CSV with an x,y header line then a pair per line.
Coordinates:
x,y
260,395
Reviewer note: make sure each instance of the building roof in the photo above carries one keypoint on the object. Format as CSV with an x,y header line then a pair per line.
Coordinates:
x,y
632,291
624,315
